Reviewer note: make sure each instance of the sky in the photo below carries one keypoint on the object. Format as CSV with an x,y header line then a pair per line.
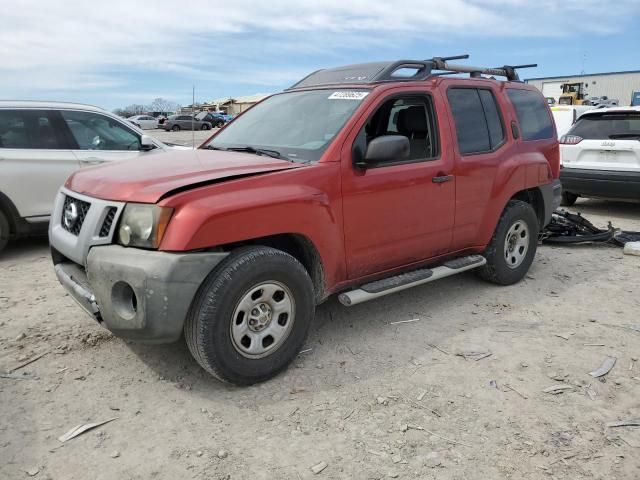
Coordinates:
x,y
118,52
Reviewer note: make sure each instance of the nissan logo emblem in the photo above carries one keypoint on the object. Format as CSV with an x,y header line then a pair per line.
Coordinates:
x,y
70,215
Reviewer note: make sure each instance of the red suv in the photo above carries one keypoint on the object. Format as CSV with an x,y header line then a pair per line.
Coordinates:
x,y
361,180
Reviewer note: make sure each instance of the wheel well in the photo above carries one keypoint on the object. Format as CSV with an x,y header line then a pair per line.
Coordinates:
x,y
299,247
534,197
10,211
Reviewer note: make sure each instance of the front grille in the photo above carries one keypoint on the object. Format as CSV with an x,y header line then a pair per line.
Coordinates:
x,y
108,222
73,218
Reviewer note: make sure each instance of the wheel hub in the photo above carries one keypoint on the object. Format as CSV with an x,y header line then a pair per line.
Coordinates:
x,y
260,317
516,244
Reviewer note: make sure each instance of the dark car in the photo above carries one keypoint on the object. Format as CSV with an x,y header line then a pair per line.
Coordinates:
x,y
185,122
216,119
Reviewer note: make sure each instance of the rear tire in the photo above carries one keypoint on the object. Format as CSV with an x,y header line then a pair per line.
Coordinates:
x,y
175,128
568,199
513,246
4,230
243,301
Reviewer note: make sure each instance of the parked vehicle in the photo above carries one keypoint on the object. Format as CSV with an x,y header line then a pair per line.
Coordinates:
x,y
215,119
356,180
600,155
185,122
566,115
144,122
635,99
42,143
550,101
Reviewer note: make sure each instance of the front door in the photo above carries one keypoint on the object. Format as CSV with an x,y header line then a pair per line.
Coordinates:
x,y
97,138
399,212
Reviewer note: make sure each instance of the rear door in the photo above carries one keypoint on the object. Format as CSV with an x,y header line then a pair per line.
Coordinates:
x,y
35,160
97,138
604,141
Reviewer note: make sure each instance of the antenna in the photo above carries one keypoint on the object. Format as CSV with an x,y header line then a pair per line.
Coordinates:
x,y
193,117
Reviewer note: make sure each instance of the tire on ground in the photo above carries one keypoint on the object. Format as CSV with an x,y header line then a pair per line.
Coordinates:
x,y
568,199
497,269
208,326
4,230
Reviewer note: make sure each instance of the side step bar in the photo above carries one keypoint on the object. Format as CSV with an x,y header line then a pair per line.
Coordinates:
x,y
397,283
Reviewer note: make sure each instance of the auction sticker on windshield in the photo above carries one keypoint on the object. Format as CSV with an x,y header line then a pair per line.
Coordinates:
x,y
348,95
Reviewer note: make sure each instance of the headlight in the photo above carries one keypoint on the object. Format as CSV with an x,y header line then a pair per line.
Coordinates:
x,y
143,225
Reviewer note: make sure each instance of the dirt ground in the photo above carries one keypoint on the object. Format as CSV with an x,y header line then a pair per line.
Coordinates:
x,y
370,398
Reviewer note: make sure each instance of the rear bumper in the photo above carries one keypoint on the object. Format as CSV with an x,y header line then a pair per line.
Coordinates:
x,y
601,183
552,196
138,294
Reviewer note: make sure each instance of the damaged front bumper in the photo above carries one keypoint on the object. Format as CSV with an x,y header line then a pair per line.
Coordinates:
x,y
138,294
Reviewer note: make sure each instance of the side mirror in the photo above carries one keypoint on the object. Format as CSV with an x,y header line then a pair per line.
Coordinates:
x,y
387,148
146,143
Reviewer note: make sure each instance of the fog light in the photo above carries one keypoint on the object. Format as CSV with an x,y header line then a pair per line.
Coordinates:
x,y
124,300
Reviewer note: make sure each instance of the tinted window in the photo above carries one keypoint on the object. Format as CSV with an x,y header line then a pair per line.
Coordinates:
x,y
608,126
29,129
533,114
494,121
471,126
93,131
412,117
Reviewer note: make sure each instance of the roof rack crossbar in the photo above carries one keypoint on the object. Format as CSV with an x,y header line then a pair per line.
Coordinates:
x,y
508,71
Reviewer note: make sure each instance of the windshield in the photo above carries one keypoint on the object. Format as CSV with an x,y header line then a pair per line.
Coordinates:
x,y
299,126
607,125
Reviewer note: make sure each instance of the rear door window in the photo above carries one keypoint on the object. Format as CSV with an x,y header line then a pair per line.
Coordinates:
x,y
30,129
477,118
607,126
533,114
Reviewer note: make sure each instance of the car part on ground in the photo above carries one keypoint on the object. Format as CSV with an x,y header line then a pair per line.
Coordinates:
x,y
566,227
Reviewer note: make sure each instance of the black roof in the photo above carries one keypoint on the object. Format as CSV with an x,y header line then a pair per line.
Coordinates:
x,y
400,70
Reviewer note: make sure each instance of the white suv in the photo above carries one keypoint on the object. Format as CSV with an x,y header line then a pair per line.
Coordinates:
x,y
600,155
42,143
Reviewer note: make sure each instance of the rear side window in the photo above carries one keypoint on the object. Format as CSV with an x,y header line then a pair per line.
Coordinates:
x,y
478,122
31,129
607,126
533,114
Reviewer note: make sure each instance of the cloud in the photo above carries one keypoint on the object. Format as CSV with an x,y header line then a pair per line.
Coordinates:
x,y
82,45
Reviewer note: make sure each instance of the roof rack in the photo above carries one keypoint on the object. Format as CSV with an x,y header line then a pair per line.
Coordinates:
x,y
376,72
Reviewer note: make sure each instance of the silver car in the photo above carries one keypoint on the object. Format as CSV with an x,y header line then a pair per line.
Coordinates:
x,y
185,122
42,143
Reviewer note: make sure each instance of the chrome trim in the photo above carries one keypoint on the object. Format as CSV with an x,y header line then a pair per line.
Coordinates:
x,y
76,248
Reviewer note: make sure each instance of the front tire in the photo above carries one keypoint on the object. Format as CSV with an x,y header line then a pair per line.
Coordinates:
x,y
175,128
204,127
568,199
251,315
513,245
4,230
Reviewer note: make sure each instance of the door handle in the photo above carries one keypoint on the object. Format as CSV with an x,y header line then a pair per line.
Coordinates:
x,y
92,161
442,178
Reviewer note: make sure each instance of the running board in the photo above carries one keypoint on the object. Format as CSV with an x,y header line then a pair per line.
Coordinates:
x,y
397,283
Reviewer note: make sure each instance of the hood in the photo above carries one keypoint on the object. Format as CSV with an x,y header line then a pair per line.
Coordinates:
x,y
148,179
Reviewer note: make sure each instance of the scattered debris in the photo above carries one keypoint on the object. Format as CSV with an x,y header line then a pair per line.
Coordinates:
x,y
17,376
421,395
568,227
631,248
346,417
556,389
605,368
406,321
382,401
591,393
445,438
222,454
115,454
635,328
493,384
29,361
319,467
438,348
80,429
594,344
513,389
635,422
474,355
306,350
33,471
565,336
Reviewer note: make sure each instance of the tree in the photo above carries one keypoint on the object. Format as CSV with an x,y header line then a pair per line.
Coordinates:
x,y
163,106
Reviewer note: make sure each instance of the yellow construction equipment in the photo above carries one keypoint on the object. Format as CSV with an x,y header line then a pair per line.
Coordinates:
x,y
572,94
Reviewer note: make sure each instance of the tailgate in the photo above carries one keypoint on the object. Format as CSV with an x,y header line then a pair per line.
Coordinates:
x,y
622,155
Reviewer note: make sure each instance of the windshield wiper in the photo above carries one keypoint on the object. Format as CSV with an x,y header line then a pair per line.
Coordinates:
x,y
625,135
257,151
211,147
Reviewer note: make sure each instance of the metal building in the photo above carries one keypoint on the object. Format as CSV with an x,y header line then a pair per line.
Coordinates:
x,y
618,85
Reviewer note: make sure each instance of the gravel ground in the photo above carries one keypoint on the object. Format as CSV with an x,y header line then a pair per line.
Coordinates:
x,y
368,398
